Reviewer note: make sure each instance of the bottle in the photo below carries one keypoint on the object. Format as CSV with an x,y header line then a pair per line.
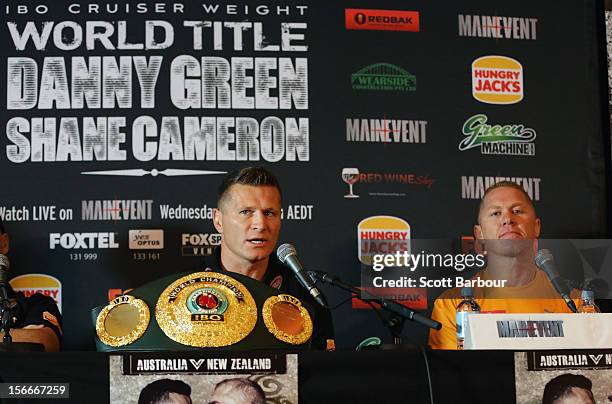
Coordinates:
x,y
467,306
587,303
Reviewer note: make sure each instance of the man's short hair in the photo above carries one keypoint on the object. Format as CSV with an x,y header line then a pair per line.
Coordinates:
x,y
248,391
563,384
254,176
160,390
504,184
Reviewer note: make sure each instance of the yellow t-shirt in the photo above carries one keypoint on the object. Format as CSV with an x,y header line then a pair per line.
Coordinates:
x,y
538,296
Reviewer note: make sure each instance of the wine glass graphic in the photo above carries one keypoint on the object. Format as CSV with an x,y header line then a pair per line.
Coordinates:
x,y
350,176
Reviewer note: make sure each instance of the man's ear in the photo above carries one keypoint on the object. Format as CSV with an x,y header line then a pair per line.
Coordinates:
x,y
479,245
478,232
217,220
538,227
4,243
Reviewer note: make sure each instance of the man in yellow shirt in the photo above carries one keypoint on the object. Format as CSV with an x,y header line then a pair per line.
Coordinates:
x,y
507,229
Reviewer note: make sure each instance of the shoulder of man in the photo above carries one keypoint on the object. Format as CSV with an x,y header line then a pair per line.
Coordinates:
x,y
40,310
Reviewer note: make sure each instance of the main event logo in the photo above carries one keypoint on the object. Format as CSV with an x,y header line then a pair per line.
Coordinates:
x,y
530,329
497,80
384,77
385,130
486,26
517,140
474,186
116,209
381,20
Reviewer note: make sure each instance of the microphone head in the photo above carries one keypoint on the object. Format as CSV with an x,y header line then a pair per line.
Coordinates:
x,y
285,250
4,262
543,257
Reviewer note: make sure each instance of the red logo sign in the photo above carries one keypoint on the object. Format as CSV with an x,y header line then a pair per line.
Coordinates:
x,y
415,298
381,20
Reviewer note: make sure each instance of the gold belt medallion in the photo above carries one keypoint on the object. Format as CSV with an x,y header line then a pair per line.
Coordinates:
x,y
287,319
123,321
206,309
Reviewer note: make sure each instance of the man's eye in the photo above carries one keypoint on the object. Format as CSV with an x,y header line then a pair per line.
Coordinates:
x,y
270,213
518,211
496,213
245,212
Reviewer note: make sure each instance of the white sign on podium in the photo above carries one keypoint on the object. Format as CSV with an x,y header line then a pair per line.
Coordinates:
x,y
538,331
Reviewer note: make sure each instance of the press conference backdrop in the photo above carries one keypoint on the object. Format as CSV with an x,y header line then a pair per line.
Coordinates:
x,y
120,118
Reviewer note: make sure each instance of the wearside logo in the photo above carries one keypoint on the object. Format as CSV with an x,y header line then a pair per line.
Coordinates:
x,y
381,20
383,76
497,80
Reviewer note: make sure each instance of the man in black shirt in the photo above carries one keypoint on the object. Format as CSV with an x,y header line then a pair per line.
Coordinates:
x,y
38,318
248,216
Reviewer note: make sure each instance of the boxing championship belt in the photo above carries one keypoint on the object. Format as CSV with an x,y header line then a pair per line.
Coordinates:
x,y
202,310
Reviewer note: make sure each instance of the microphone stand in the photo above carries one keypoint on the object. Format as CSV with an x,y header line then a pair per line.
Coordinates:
x,y
9,311
398,312
5,313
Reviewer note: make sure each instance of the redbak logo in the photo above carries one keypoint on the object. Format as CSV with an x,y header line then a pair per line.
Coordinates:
x,y
381,20
415,298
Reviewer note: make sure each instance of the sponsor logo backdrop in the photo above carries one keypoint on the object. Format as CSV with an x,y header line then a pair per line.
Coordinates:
x,y
119,120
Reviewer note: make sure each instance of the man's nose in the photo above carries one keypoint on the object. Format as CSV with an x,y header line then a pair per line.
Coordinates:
x,y
507,217
259,221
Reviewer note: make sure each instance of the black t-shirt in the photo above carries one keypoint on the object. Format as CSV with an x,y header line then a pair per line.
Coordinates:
x,y
279,277
37,309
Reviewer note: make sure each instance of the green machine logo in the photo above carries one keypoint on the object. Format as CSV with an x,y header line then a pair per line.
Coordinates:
x,y
514,140
383,76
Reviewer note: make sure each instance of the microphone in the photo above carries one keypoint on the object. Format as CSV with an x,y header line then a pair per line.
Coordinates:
x,y
388,304
545,261
287,254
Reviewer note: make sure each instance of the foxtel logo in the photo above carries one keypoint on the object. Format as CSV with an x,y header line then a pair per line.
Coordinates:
x,y
76,241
